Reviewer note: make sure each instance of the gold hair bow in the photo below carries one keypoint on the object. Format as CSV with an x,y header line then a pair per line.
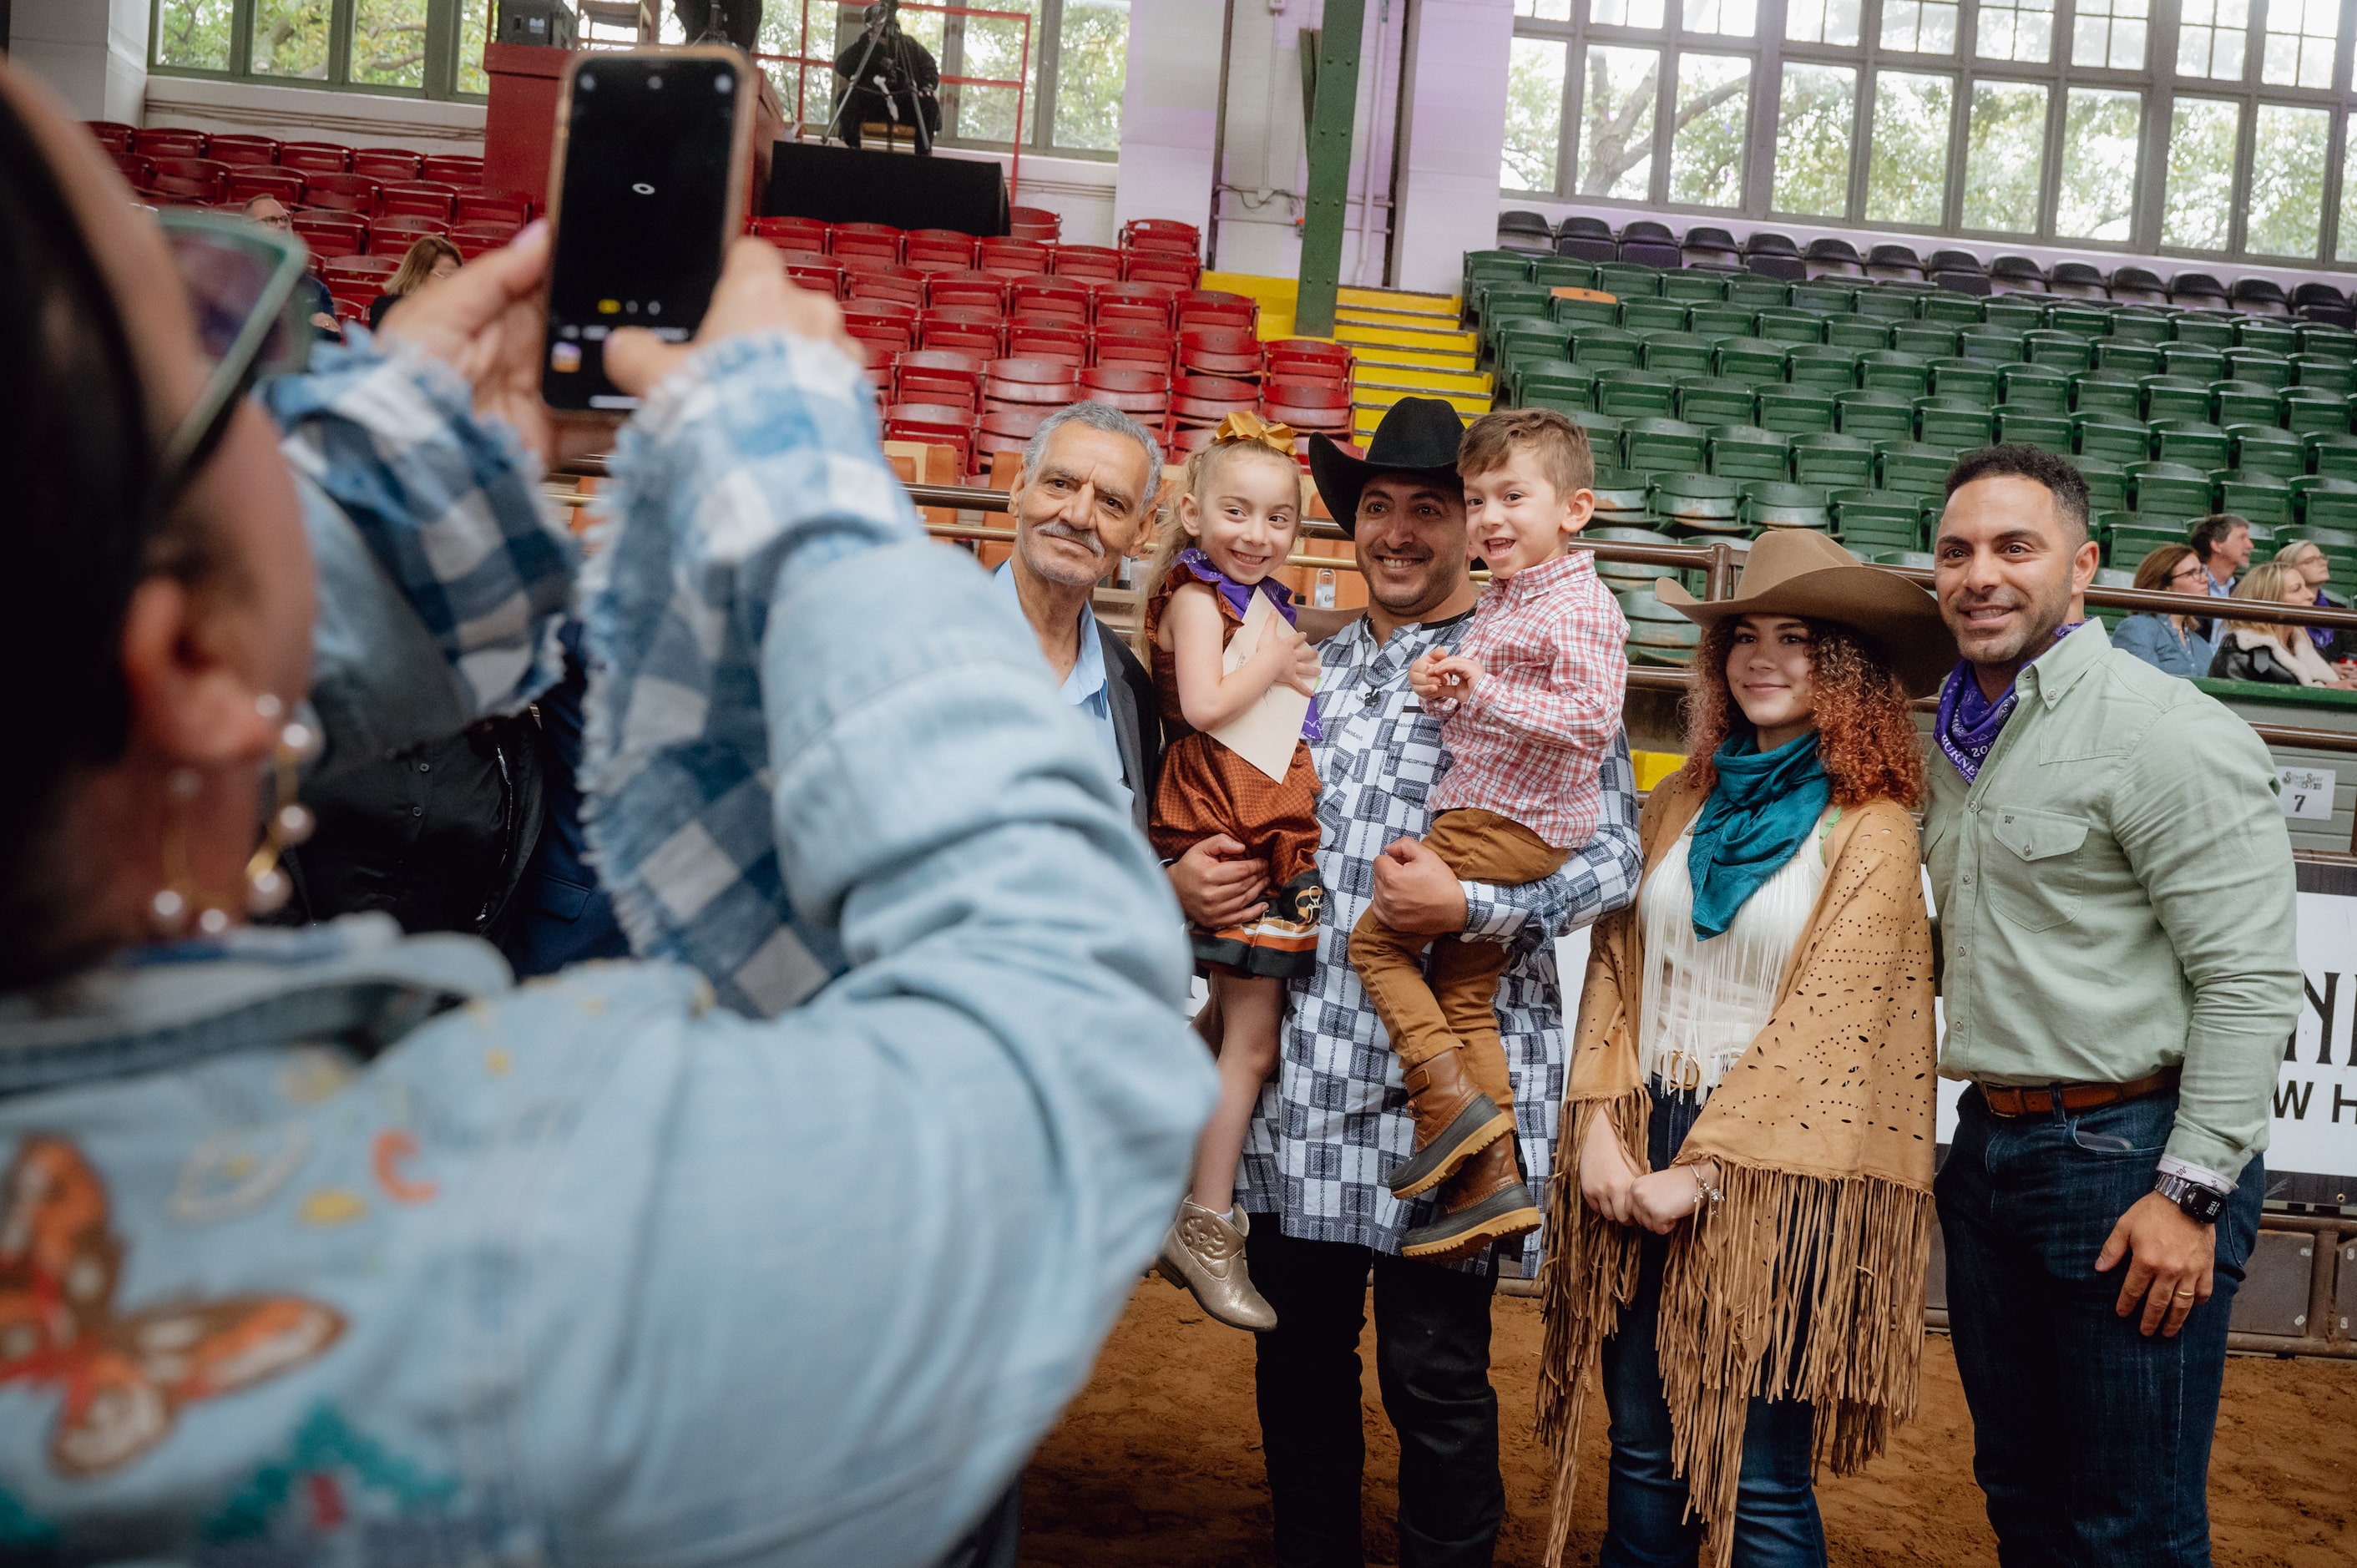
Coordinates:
x,y
1243,425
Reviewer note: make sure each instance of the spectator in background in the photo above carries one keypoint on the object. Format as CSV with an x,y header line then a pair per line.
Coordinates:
x,y
317,305
2276,652
2172,644
430,257
2304,557
2223,542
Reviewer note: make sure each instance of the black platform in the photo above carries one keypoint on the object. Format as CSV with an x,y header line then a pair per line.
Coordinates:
x,y
839,185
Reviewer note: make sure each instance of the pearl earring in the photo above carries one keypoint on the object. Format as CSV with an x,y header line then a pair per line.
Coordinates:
x,y
176,906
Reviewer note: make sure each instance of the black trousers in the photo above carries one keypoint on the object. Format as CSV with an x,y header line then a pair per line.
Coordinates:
x,y
1432,1360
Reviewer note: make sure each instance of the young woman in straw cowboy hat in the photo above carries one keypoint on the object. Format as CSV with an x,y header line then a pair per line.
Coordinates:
x,y
1742,1205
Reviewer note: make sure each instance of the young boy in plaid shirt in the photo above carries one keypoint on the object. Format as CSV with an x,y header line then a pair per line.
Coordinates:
x,y
1530,705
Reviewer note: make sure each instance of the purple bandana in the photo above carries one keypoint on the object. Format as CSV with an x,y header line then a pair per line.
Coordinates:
x,y
1968,723
1240,597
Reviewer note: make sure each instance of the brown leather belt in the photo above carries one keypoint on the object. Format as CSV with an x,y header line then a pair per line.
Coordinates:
x,y
2075,1096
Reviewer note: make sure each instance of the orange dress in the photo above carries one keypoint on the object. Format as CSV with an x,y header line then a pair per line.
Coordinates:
x,y
1207,789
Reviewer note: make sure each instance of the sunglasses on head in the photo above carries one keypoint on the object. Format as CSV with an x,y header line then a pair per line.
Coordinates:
x,y
239,279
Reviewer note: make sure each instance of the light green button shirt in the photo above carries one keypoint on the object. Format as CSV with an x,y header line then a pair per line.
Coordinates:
x,y
2116,896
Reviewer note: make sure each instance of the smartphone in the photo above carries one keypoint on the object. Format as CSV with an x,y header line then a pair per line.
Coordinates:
x,y
647,190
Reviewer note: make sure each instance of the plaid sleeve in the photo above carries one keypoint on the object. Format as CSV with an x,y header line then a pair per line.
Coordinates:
x,y
1592,884
447,504
750,468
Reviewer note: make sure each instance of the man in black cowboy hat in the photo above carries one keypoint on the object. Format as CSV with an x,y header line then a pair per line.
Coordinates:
x,y
1315,1164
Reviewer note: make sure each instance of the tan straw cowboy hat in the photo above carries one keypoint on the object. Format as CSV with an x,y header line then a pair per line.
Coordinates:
x,y
1800,572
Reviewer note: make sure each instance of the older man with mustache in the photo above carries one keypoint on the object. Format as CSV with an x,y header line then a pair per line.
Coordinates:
x,y
2116,896
1083,500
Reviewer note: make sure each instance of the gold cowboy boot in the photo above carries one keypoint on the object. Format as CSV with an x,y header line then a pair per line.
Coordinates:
x,y
1204,1252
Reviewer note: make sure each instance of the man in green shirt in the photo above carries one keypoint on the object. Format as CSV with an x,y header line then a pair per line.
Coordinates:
x,y
2114,891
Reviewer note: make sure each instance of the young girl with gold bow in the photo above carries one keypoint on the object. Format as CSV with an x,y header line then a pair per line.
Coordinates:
x,y
1233,525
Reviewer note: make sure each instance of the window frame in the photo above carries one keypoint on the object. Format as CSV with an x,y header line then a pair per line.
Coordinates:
x,y
2157,84
442,53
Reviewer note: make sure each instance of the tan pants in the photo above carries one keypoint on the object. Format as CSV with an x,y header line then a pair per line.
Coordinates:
x,y
1459,1005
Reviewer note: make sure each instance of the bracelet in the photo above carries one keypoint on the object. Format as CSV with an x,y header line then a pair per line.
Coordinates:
x,y
1703,1192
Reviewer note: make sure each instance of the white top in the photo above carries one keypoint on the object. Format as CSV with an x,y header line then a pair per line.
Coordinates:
x,y
1705,1002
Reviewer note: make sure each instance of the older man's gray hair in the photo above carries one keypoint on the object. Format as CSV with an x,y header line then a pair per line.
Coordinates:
x,y
1096,416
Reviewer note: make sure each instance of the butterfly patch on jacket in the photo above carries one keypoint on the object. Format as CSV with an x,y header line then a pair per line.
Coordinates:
x,y
124,1376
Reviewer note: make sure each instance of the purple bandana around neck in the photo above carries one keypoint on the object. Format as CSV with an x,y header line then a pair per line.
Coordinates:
x,y
1968,723
1240,597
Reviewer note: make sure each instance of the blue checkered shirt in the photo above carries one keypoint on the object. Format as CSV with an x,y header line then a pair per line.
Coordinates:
x,y
1334,1121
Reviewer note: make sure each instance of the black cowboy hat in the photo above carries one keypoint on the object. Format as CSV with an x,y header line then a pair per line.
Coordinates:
x,y
1418,435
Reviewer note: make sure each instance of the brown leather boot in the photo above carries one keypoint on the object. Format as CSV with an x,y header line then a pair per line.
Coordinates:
x,y
1453,1122
1485,1202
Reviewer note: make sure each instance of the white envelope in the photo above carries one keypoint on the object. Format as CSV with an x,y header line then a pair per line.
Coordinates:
x,y
1263,734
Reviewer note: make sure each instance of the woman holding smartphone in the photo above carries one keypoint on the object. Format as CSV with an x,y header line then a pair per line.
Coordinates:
x,y
1743,1197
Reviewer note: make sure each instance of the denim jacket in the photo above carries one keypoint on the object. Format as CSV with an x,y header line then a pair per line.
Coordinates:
x,y
334,1246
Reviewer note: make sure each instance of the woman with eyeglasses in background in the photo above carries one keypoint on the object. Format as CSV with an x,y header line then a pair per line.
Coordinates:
x,y
2338,645
2170,643
690,1260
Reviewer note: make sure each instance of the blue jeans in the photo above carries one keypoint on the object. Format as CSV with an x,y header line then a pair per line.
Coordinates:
x,y
2091,1440
1776,1521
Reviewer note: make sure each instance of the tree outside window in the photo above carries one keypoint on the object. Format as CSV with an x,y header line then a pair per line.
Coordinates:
x,y
1907,156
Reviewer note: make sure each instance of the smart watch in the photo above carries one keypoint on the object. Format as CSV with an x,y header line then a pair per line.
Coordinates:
x,y
2202,1204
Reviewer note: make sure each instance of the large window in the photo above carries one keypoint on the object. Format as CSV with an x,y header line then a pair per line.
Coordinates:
x,y
2205,128
431,49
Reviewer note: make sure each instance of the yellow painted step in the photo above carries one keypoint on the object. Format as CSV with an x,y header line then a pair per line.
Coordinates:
x,y
1417,379
1447,304
1381,397
1461,344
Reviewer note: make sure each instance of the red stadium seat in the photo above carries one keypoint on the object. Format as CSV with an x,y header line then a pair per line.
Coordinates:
x,y
966,331
902,284
248,181
314,157
1094,263
342,192
164,189
1035,224
135,168
1186,440
1220,352
794,233
1308,405
391,164
1006,430
1206,400
474,239
1014,258
935,425
968,290
331,233
466,173
1047,296
1211,307
1051,382
1145,394
213,175
1153,304
505,206
1049,337
819,273
1137,345
168,142
939,376
402,228
878,240
245,151
881,321
418,199
1162,234
113,134
359,269
941,245
1156,266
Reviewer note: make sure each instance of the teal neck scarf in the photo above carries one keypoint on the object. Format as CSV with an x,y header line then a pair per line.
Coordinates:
x,y
1759,811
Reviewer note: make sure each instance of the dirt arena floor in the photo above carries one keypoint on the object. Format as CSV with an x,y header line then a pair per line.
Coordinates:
x,y
1158,1461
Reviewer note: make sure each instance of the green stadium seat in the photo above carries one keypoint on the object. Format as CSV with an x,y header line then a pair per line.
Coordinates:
x,y
2263,448
1957,422
1576,312
1796,411
1605,348
2245,403
1834,461
1885,369
2259,365
2106,391
1933,341
1748,452
2038,387
1858,332
2032,427
1563,272
1974,379
1627,392
1768,503
1619,492
1705,501
1884,303
1873,415
2148,326
1914,468
2324,372
1752,359
1624,281
2057,350
1662,445
1717,400
2107,484
2175,397
2168,490
2196,445
1720,322
1785,324
2110,437
2128,359
1820,365
1676,352
1754,292
2271,336
1826,296
1653,314
2199,363
2265,498
2321,501
2331,453
2333,343
2311,409
1991,345
2203,329
1956,309
1694,286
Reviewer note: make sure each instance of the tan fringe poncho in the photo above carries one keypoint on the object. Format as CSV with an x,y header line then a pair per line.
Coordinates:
x,y
1822,1132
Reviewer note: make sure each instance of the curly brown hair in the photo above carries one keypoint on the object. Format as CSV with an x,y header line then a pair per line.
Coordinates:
x,y
1866,731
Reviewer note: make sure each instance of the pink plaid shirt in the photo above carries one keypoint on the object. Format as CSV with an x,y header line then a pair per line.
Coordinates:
x,y
1527,741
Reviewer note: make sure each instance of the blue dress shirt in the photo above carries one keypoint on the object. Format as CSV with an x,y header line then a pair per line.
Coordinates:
x,y
1084,688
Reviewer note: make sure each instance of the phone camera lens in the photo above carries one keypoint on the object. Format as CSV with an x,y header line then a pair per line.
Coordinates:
x,y
724,85
585,82
654,85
